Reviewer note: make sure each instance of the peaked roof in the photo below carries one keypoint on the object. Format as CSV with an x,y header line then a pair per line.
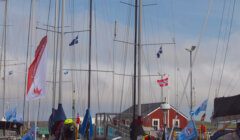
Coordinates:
x,y
146,109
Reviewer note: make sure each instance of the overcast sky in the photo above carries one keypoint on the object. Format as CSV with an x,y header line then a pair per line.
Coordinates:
x,y
188,22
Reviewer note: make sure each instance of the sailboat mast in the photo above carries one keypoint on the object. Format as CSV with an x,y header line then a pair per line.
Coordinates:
x,y
61,53
135,60
26,66
90,47
73,66
4,55
113,66
139,56
55,53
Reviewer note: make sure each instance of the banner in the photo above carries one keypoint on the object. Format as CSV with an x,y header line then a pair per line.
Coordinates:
x,y
37,72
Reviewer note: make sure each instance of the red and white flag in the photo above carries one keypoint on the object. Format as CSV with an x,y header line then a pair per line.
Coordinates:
x,y
37,73
163,82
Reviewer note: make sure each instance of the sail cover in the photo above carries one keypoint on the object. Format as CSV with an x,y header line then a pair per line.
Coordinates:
x,y
226,108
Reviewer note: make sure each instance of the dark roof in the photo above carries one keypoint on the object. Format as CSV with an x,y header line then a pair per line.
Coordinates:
x,y
226,108
145,110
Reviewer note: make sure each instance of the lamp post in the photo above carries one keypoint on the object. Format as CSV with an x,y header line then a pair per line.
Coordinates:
x,y
190,51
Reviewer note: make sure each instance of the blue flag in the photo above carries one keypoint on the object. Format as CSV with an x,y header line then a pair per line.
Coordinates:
x,y
30,135
11,114
159,52
65,72
189,132
74,41
87,126
10,72
202,107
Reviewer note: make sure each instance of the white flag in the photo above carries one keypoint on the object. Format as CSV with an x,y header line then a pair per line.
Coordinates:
x,y
37,73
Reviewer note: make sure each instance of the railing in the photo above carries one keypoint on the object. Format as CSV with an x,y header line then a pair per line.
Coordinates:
x,y
106,128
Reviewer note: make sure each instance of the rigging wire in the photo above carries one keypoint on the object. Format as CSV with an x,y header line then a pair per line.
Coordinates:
x,y
96,45
229,85
125,55
217,47
48,19
203,30
27,59
227,48
146,56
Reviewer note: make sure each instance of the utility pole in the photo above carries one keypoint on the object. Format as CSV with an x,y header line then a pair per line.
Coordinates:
x,y
191,96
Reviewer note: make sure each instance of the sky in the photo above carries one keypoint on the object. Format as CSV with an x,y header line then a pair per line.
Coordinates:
x,y
207,24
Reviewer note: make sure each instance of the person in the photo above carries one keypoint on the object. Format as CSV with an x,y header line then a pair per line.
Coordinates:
x,y
68,131
136,130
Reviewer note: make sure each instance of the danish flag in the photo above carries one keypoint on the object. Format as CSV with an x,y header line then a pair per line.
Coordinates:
x,y
37,73
163,82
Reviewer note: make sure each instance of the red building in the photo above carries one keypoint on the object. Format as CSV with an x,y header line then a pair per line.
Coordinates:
x,y
152,116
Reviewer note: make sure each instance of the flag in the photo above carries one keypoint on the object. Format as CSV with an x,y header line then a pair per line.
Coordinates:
x,y
203,117
74,41
189,132
30,135
37,72
11,114
203,107
10,72
87,126
163,82
159,52
65,72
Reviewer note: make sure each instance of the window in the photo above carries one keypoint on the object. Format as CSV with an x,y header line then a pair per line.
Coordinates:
x,y
155,124
176,123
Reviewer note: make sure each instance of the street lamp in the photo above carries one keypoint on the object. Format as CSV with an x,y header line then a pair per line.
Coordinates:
x,y
190,51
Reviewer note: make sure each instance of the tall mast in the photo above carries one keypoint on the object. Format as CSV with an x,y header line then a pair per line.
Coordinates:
x,y
73,66
139,56
26,66
61,53
90,47
113,67
4,55
135,61
55,53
